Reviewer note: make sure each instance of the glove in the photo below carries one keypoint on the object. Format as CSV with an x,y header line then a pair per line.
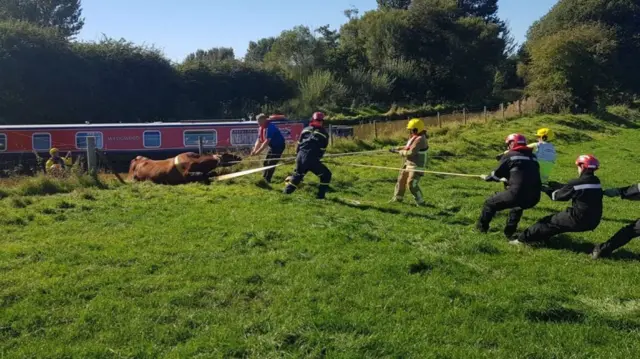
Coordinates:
x,y
499,158
612,192
553,185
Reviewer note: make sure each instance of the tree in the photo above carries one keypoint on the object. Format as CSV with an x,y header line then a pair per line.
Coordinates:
x,y
394,4
212,56
486,9
620,16
64,15
297,51
568,68
258,50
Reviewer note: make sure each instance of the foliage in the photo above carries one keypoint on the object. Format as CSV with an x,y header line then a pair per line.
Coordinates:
x,y
198,271
212,56
321,90
559,61
407,53
258,50
394,4
63,15
616,62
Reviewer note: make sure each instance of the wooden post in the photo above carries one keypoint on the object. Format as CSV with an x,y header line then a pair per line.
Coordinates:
x,y
200,145
92,163
331,135
520,107
502,110
375,130
439,122
485,114
464,115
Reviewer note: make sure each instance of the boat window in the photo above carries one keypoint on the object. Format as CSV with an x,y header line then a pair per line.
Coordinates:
x,y
152,139
41,141
209,138
81,139
244,137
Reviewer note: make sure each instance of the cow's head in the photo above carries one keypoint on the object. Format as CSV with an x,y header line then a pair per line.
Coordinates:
x,y
208,163
229,159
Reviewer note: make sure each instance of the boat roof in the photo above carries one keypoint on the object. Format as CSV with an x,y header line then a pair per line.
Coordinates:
x,y
142,124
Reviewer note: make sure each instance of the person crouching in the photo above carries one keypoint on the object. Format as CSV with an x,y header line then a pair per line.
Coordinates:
x,y
415,153
520,168
626,233
312,145
55,164
586,210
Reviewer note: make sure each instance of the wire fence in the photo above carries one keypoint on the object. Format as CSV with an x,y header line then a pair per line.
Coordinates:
x,y
386,129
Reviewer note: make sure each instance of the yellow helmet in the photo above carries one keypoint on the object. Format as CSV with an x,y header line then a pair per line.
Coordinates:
x,y
545,132
416,124
53,151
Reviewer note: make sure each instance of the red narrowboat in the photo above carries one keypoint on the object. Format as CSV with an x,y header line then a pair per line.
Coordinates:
x,y
124,141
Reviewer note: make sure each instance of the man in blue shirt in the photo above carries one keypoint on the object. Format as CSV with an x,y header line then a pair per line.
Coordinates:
x,y
271,137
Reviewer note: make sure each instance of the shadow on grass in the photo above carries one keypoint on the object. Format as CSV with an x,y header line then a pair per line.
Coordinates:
x,y
616,120
564,242
366,207
556,314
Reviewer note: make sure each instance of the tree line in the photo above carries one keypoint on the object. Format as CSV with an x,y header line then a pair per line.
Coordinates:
x,y
406,53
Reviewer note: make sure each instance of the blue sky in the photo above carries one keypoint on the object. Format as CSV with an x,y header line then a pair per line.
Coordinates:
x,y
181,27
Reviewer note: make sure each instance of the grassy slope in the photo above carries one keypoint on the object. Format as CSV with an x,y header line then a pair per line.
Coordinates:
x,y
234,270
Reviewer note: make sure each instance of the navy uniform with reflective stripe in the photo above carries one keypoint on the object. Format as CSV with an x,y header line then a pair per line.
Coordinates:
x,y
312,145
626,233
520,167
584,214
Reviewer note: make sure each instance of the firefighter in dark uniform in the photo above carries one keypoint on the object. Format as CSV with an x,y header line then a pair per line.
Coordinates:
x,y
585,212
311,148
520,168
627,233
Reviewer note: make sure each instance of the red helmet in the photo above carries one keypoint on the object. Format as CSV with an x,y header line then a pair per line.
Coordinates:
x,y
517,138
318,116
588,162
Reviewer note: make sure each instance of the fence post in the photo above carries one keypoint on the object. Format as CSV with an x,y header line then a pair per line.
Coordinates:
x,y
502,110
331,135
200,145
439,122
92,163
375,129
485,114
464,115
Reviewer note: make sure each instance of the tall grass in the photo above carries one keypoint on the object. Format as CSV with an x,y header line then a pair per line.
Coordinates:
x,y
43,185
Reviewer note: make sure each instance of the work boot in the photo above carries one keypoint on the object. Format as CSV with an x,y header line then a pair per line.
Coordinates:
x,y
262,183
600,251
289,189
482,228
396,200
510,231
421,204
322,191
516,242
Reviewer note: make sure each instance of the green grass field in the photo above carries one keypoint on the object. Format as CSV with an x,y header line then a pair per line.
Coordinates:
x,y
233,270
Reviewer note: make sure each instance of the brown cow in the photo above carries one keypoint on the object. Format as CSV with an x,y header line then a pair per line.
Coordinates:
x,y
184,168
